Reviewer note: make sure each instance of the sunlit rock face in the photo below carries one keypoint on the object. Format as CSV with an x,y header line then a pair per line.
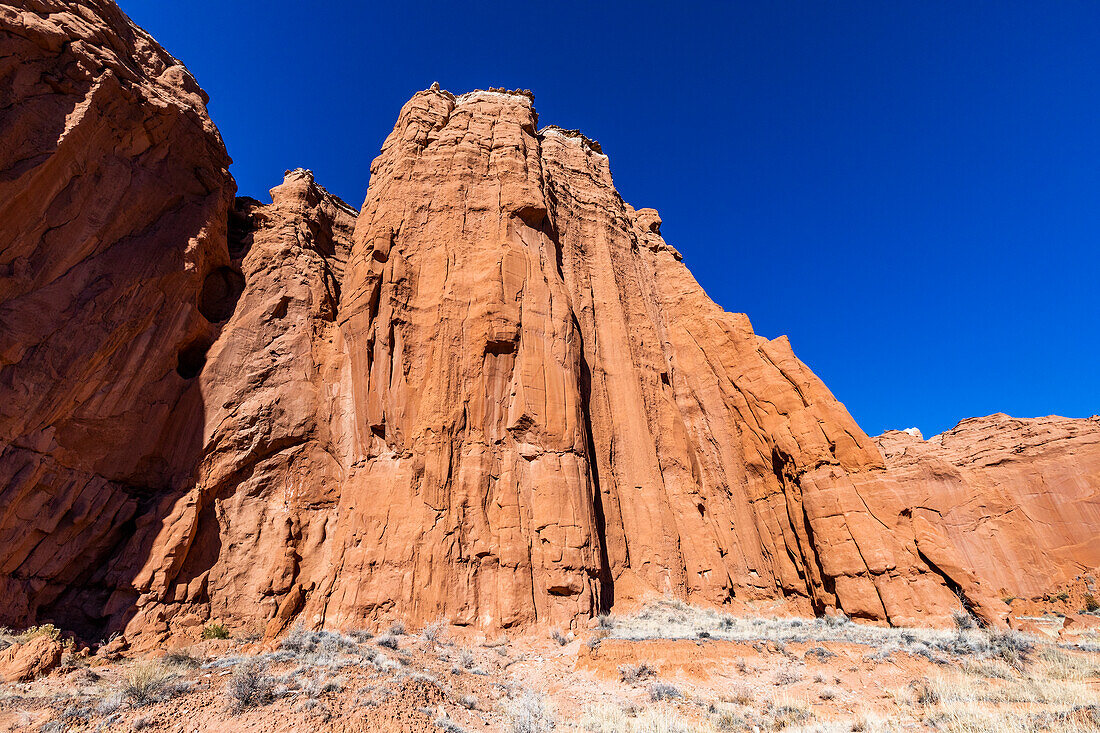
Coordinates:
x,y
494,395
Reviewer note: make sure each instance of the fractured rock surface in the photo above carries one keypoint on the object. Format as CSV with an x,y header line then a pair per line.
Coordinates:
x,y
495,394
114,196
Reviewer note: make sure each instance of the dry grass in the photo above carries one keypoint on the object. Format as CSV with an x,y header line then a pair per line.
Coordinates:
x,y
143,682
674,619
608,718
529,713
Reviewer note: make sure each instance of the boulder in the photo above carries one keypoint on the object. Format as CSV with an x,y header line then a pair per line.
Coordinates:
x,y
25,661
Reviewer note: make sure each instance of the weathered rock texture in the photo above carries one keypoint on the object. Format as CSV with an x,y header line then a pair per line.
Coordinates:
x,y
114,196
495,395
1018,499
25,661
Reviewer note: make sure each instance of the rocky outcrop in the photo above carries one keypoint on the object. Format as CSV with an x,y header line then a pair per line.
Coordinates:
x,y
24,661
114,276
1017,499
238,543
495,395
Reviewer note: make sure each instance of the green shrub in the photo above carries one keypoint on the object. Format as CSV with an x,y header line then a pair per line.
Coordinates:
x,y
214,630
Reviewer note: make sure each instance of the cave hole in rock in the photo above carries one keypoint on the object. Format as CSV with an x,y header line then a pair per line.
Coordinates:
x,y
500,347
192,358
220,291
532,215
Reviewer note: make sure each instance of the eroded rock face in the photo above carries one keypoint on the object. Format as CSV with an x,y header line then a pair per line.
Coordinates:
x,y
1018,499
520,407
114,193
494,395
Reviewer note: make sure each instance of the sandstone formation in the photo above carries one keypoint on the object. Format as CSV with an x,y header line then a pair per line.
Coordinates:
x,y
114,274
1017,499
495,395
36,656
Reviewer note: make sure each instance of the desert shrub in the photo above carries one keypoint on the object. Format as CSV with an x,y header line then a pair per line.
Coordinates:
x,y
320,685
1011,647
820,653
397,628
387,640
324,645
250,686
214,630
963,620
559,637
786,677
71,717
468,701
725,720
529,713
433,633
924,692
605,621
361,635
1091,604
635,673
466,659
784,715
47,630
741,694
663,691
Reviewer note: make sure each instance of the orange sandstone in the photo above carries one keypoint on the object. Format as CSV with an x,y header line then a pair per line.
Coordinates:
x,y
494,395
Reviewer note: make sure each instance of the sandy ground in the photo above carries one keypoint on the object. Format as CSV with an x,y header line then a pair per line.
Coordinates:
x,y
719,673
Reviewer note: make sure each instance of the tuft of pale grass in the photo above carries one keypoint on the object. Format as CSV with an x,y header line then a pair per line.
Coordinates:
x,y
1062,665
435,633
143,682
608,718
1016,719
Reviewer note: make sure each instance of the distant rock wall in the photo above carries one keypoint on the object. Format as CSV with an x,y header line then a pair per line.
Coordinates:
x,y
495,395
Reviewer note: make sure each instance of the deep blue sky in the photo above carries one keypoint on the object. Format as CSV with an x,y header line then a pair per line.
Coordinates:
x,y
909,190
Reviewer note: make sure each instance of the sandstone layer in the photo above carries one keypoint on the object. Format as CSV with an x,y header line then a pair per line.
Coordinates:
x,y
1017,499
494,395
114,276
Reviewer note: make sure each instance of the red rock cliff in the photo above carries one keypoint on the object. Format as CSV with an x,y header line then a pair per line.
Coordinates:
x,y
494,395
114,276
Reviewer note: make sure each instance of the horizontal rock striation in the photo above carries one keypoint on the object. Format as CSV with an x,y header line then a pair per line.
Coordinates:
x,y
494,395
